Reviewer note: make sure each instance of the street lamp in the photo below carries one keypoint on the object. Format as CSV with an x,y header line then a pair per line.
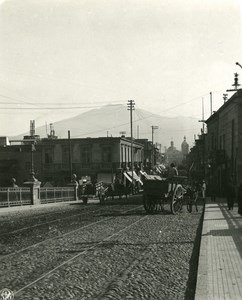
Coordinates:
x,y
238,64
32,161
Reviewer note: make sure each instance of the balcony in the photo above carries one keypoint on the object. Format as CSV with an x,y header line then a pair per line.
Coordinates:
x,y
101,166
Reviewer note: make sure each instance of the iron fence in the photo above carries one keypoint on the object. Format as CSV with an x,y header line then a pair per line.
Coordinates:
x,y
15,196
56,194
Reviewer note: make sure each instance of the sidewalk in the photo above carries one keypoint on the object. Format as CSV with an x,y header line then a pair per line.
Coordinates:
x,y
220,261
11,209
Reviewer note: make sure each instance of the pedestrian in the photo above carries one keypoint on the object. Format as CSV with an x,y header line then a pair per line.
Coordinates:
x,y
197,188
204,189
14,186
239,199
230,194
13,183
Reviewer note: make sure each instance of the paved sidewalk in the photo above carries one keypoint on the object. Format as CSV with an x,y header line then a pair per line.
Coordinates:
x,y
220,261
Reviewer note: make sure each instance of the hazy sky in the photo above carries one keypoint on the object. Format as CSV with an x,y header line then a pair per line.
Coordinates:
x,y
166,55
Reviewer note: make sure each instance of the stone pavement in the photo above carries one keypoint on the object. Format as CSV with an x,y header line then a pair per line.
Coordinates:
x,y
220,261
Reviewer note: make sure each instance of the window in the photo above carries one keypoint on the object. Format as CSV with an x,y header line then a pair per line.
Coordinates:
x,y
48,156
107,154
85,155
65,155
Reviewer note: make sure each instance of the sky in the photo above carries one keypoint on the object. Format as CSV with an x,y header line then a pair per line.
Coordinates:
x,y
62,58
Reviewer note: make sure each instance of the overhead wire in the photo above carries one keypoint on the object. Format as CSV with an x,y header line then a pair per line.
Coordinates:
x,y
139,114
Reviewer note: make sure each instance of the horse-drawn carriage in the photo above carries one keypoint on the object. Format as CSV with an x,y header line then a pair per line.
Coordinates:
x,y
105,191
158,192
86,190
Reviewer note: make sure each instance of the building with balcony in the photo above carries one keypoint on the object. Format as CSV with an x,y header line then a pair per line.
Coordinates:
x,y
55,160
224,144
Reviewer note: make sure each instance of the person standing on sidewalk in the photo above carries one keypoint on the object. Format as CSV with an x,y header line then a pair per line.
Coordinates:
x,y
204,187
239,199
230,194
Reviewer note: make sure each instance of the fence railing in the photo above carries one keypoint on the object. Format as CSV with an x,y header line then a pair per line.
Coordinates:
x,y
15,196
23,195
56,194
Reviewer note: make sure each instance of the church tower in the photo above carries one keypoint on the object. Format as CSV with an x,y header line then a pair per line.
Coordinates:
x,y
184,147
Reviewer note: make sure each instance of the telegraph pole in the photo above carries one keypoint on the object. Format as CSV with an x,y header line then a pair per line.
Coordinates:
x,y
202,115
70,160
131,105
153,129
203,137
211,103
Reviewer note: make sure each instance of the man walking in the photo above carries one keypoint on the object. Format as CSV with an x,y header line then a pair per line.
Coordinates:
x,y
204,189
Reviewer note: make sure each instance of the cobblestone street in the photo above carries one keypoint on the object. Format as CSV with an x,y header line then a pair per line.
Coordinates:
x,y
99,252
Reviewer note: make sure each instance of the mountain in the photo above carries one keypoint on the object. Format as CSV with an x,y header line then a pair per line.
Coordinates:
x,y
110,120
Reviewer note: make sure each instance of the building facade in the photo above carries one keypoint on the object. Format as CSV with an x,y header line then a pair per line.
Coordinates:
x,y
173,155
55,160
224,144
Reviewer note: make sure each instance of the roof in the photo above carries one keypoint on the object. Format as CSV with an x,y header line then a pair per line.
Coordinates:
x,y
236,95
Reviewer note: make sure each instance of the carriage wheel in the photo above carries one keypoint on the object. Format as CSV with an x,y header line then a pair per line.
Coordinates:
x,y
176,200
149,204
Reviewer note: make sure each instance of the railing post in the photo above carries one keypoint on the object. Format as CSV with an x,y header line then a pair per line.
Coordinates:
x,y
20,198
20,195
34,185
8,197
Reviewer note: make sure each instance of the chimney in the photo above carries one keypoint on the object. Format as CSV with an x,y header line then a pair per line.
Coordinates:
x,y
52,131
32,128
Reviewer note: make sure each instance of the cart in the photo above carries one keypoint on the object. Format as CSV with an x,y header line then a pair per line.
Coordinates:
x,y
86,189
158,191
105,191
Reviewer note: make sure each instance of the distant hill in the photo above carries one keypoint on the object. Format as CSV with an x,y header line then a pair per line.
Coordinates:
x,y
110,120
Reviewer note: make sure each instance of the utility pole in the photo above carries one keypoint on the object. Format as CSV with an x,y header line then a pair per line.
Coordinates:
x,y
203,137
32,159
202,115
211,103
153,148
70,159
131,105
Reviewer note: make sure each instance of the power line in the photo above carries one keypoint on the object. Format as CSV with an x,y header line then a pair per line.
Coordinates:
x,y
57,107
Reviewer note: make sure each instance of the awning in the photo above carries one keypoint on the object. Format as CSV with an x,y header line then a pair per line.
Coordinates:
x,y
158,170
127,176
135,176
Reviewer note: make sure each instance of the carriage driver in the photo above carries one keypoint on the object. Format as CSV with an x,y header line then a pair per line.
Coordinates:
x,y
172,171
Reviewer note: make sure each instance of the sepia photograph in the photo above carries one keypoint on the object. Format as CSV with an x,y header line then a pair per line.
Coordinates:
x,y
120,149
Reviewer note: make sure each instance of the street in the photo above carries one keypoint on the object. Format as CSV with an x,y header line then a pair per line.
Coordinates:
x,y
115,251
